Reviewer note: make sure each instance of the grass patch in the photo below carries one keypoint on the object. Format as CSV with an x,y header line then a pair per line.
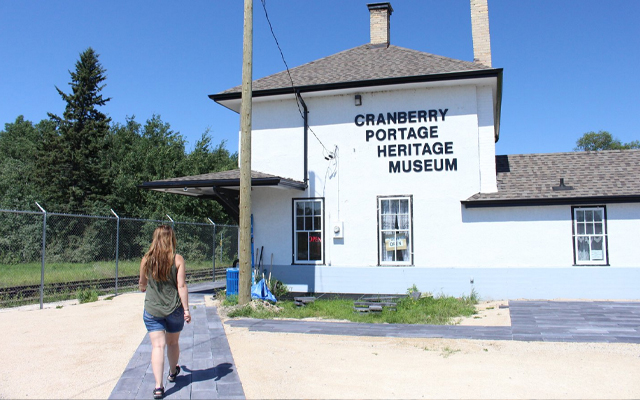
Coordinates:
x,y
91,274
228,301
29,273
88,295
447,351
54,295
440,310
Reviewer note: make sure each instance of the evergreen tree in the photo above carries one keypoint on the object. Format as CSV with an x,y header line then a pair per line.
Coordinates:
x,y
73,162
78,163
153,151
18,147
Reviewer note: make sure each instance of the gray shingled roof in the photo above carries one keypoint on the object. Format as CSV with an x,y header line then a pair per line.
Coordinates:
x,y
362,63
593,174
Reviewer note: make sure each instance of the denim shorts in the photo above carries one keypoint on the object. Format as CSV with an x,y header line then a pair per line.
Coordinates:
x,y
172,323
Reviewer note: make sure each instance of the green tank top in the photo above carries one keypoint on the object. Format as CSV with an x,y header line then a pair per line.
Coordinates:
x,y
161,298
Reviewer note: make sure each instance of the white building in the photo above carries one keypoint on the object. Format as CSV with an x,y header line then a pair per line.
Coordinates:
x,y
377,171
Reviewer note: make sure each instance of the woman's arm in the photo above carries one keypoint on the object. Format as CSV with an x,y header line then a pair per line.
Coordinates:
x,y
142,283
183,291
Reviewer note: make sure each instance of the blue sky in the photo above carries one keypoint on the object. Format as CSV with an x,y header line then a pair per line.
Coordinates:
x,y
569,66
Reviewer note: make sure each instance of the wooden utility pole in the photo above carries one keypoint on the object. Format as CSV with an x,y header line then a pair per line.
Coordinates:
x,y
244,281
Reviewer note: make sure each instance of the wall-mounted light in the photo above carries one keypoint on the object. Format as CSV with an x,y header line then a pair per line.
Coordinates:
x,y
358,100
186,189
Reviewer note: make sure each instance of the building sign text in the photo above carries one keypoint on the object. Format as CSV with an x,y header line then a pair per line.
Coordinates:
x,y
418,142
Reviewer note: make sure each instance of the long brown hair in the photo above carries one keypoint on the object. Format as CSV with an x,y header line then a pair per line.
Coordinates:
x,y
161,254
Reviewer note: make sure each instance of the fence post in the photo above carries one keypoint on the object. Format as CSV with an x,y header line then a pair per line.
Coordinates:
x,y
214,249
117,246
44,242
221,243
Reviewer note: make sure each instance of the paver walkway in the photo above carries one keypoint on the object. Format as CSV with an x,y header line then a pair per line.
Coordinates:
x,y
208,369
550,321
576,321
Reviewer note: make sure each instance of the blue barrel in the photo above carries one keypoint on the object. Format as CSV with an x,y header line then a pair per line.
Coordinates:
x,y
232,281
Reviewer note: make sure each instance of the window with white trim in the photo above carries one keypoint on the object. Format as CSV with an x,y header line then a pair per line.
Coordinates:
x,y
308,231
590,235
395,245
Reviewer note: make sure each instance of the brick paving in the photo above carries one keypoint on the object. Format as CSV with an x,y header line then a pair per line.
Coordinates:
x,y
549,321
576,321
209,372
208,369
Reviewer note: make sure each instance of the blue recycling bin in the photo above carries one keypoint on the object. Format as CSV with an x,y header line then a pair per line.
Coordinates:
x,y
233,279
233,275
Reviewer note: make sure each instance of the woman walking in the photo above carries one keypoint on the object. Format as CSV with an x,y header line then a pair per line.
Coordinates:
x,y
166,302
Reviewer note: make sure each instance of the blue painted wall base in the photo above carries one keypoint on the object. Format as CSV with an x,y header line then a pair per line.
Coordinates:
x,y
594,283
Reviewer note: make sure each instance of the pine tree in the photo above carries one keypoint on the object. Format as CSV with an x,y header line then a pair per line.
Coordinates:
x,y
75,157
18,144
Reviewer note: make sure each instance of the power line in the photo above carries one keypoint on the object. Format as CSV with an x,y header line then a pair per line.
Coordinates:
x,y
293,87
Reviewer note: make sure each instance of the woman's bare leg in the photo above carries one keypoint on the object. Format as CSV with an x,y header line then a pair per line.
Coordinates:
x,y
158,343
173,350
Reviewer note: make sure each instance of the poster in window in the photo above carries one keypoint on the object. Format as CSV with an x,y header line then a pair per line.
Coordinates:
x,y
399,243
596,255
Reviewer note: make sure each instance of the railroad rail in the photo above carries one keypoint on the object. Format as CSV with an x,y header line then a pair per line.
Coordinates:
x,y
27,292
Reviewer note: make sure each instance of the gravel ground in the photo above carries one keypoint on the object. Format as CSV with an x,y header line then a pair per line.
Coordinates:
x,y
73,352
334,367
80,351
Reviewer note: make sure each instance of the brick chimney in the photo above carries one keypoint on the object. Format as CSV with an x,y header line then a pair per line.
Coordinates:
x,y
480,32
380,15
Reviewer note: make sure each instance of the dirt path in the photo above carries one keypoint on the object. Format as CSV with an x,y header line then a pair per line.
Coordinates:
x,y
80,351
280,365
77,351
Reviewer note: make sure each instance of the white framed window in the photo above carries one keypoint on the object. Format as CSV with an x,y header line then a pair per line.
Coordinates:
x,y
395,224
590,235
308,231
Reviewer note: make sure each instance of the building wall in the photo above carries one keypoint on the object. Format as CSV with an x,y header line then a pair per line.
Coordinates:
x,y
508,252
599,283
512,252
351,182
623,224
277,139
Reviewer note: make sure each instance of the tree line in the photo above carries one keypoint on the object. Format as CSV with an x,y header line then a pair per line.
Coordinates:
x,y
603,140
83,162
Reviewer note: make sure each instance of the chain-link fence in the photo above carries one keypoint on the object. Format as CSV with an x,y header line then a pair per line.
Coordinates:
x,y
47,257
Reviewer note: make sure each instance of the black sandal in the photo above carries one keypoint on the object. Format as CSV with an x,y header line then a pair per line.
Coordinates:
x,y
172,377
158,393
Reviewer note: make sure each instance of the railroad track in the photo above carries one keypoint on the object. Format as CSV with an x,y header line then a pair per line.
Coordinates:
x,y
25,292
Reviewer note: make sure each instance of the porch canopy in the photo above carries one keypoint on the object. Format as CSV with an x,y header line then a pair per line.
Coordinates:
x,y
223,187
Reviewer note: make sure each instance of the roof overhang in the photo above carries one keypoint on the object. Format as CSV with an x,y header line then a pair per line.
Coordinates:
x,y
200,188
489,77
554,201
222,187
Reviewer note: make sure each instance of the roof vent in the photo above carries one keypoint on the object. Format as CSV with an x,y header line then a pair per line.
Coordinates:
x,y
380,16
562,186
